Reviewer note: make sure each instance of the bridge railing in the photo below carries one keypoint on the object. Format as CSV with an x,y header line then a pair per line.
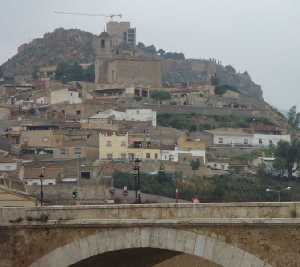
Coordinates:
x,y
60,214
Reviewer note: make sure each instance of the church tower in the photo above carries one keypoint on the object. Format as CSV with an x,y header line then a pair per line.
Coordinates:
x,y
104,53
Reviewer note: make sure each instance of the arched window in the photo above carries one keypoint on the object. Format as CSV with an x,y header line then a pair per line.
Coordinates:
x,y
102,43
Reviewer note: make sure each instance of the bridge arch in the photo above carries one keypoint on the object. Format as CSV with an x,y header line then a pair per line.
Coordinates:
x,y
109,240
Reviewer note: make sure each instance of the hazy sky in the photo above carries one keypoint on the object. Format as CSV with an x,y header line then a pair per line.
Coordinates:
x,y
260,36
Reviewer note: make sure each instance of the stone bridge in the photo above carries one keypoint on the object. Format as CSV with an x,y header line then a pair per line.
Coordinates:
x,y
160,235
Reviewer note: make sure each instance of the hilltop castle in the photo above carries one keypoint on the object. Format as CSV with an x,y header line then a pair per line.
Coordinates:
x,y
118,62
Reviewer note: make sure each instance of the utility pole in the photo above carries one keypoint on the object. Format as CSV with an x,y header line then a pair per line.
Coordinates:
x,y
41,184
137,181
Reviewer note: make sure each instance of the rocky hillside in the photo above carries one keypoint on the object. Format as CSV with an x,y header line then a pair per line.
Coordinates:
x,y
56,47
241,81
75,45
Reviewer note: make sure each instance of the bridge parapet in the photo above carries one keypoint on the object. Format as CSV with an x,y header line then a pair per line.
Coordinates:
x,y
205,212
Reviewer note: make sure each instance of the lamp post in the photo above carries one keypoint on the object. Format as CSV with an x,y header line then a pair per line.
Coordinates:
x,y
137,181
41,184
279,191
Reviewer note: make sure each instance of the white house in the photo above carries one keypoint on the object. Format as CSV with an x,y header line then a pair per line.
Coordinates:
x,y
142,115
65,95
269,139
220,166
42,100
169,155
8,166
229,136
37,182
174,155
244,137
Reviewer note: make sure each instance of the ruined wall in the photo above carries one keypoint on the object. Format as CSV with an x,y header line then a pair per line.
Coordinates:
x,y
137,71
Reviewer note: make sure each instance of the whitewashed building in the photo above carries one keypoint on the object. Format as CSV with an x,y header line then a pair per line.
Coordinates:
x,y
269,139
42,100
174,155
8,166
243,137
228,136
219,166
37,182
142,115
65,96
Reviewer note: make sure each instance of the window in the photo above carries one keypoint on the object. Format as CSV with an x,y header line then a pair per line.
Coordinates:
x,y
63,152
45,139
123,156
102,43
270,142
148,155
109,156
77,152
123,144
220,140
78,112
156,156
85,175
171,158
108,143
246,142
260,141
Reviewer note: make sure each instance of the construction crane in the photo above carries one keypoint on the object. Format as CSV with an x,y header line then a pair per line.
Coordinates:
x,y
111,16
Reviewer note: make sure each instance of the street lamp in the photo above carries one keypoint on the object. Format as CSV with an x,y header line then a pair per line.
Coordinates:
x,y
279,191
41,184
137,181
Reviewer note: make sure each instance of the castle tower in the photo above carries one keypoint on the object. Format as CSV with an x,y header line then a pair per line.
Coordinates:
x,y
104,53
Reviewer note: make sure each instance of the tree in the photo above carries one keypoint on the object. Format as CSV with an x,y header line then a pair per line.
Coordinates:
x,y
293,118
89,73
287,155
160,96
161,52
174,55
279,165
151,49
141,45
68,72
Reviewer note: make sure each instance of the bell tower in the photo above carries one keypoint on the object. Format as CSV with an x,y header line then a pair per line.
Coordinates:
x,y
104,53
